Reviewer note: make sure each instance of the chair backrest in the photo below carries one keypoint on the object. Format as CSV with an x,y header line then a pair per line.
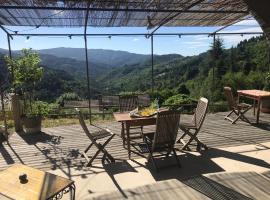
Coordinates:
x,y
200,112
144,100
229,96
83,125
128,103
166,128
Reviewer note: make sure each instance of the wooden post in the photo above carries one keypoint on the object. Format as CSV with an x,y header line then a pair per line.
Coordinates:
x,y
16,112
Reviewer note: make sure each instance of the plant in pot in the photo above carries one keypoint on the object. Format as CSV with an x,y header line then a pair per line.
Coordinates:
x,y
266,102
27,72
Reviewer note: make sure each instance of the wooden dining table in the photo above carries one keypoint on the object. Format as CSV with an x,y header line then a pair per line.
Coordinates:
x,y
255,95
127,122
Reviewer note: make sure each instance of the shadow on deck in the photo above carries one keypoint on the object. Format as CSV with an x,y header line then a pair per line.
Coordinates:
x,y
59,147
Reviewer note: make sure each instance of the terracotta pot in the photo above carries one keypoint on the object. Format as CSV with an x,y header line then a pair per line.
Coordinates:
x,y
32,125
265,106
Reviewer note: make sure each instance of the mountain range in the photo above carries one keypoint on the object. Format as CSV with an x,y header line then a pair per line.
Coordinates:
x,y
72,60
113,72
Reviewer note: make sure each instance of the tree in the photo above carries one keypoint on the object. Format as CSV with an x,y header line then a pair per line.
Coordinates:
x,y
26,70
182,89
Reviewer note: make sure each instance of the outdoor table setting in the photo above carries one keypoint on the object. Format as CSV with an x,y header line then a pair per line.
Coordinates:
x,y
255,95
135,118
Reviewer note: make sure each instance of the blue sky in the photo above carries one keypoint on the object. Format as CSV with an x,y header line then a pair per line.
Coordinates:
x,y
186,45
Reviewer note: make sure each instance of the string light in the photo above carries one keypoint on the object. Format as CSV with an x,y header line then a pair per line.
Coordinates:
x,y
110,37
28,37
179,36
70,37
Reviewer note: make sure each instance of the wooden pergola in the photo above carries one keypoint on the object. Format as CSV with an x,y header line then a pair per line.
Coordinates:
x,y
152,14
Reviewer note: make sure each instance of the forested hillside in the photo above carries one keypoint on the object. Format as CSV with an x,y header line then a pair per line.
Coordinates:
x,y
242,67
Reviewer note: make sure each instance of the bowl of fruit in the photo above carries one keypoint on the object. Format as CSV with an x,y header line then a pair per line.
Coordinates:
x,y
144,112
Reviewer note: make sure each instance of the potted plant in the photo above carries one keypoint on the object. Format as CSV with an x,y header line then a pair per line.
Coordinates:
x,y
265,106
27,72
33,117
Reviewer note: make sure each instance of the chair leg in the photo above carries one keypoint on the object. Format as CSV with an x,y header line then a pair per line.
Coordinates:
x,y
192,137
105,151
176,157
153,161
184,134
123,133
150,155
87,149
168,153
228,116
101,148
93,158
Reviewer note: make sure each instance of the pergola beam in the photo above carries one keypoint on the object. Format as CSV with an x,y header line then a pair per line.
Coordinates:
x,y
5,30
222,28
133,34
167,19
123,9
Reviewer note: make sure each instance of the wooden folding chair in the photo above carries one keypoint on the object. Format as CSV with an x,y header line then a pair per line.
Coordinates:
x,y
193,128
239,109
164,137
126,104
94,137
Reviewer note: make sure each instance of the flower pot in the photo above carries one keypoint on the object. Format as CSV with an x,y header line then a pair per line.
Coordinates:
x,y
32,124
265,106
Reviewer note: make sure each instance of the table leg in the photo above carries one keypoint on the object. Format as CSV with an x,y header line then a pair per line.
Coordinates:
x,y
73,191
128,139
258,111
123,133
254,107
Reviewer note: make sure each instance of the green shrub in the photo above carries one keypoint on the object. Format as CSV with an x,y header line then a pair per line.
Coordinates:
x,y
129,94
69,96
179,99
37,108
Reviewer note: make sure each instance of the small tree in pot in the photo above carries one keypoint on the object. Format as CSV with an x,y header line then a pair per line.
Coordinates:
x,y
26,73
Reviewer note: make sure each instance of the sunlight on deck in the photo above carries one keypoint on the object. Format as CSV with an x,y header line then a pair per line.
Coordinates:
x,y
242,149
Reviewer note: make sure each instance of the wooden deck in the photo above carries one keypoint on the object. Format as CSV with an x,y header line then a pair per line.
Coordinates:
x,y
60,147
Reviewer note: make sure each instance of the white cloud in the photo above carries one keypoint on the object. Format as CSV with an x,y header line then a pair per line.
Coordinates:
x,y
196,44
242,30
201,37
232,40
135,39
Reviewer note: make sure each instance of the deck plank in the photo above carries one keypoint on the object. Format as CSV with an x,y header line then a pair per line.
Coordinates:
x,y
59,147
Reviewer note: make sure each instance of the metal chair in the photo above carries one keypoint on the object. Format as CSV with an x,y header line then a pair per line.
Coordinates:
x,y
193,128
239,109
164,137
94,137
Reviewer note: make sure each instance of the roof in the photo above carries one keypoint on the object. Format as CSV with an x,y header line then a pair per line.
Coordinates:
x,y
122,13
